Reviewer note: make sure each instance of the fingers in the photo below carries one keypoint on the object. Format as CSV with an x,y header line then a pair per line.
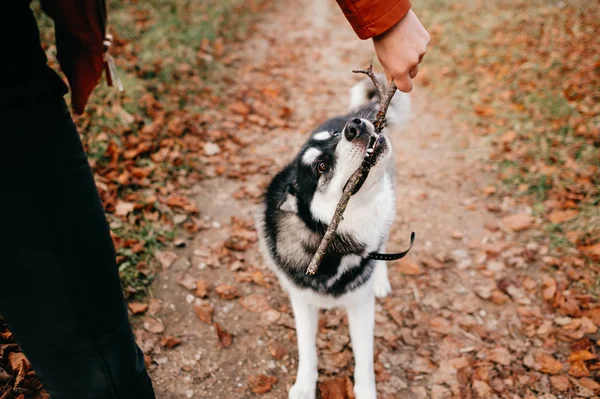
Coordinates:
x,y
404,83
413,72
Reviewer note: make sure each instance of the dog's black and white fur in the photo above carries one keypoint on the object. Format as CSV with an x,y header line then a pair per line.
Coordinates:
x,y
300,202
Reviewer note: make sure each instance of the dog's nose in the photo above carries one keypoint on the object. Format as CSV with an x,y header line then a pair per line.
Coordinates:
x,y
355,127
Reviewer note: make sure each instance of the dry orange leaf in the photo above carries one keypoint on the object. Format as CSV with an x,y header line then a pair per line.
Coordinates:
x,y
484,110
170,342
549,364
153,325
186,281
518,222
204,312
560,382
337,388
261,383
562,216
592,251
255,303
593,315
227,291
239,108
278,351
579,369
137,307
500,356
201,289
225,338
582,355
408,267
589,384
15,359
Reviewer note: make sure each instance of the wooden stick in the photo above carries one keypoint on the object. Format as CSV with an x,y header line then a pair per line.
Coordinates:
x,y
385,97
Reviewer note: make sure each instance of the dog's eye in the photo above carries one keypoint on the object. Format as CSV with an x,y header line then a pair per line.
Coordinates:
x,y
336,133
321,167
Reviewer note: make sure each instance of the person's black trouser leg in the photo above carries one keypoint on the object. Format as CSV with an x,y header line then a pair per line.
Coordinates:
x,y
59,286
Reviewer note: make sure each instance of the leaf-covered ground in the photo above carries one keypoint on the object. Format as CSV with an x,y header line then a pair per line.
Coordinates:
x,y
527,75
498,173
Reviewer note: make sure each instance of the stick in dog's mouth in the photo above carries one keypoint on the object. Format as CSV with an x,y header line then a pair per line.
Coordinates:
x,y
358,178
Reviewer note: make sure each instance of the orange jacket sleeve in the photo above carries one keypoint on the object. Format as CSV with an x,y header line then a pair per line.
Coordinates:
x,y
371,18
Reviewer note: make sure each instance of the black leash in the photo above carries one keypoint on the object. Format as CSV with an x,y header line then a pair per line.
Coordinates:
x,y
389,257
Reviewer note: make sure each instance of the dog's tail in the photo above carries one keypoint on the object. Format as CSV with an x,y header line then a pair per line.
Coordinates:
x,y
364,98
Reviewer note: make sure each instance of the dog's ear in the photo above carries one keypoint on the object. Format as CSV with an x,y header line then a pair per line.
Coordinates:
x,y
289,203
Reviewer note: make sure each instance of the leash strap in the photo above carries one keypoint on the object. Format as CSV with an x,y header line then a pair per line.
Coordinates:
x,y
389,257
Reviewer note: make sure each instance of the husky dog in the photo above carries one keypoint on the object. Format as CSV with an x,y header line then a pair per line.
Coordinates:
x,y
298,207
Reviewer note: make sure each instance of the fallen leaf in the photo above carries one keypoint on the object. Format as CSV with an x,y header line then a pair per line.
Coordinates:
x,y
153,325
590,384
592,251
225,338
21,371
484,111
498,297
337,388
500,356
518,222
483,390
201,289
204,311
166,258
593,315
137,307
278,351
236,243
582,355
170,342
259,278
261,383
440,325
335,362
423,365
15,359
239,108
508,137
154,307
227,291
255,303
549,364
560,382
270,316
408,267
186,281
579,369
558,216
123,208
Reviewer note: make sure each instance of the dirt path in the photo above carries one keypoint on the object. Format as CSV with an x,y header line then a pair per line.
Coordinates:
x,y
459,320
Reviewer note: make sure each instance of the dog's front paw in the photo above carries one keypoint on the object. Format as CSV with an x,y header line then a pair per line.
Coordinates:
x,y
365,391
381,283
302,392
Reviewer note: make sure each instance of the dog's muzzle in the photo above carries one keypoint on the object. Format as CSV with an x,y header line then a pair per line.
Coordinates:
x,y
355,128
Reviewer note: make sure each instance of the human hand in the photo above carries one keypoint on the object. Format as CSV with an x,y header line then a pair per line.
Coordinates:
x,y
401,49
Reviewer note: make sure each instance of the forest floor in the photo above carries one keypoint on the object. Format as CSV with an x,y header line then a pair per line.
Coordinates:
x,y
498,297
